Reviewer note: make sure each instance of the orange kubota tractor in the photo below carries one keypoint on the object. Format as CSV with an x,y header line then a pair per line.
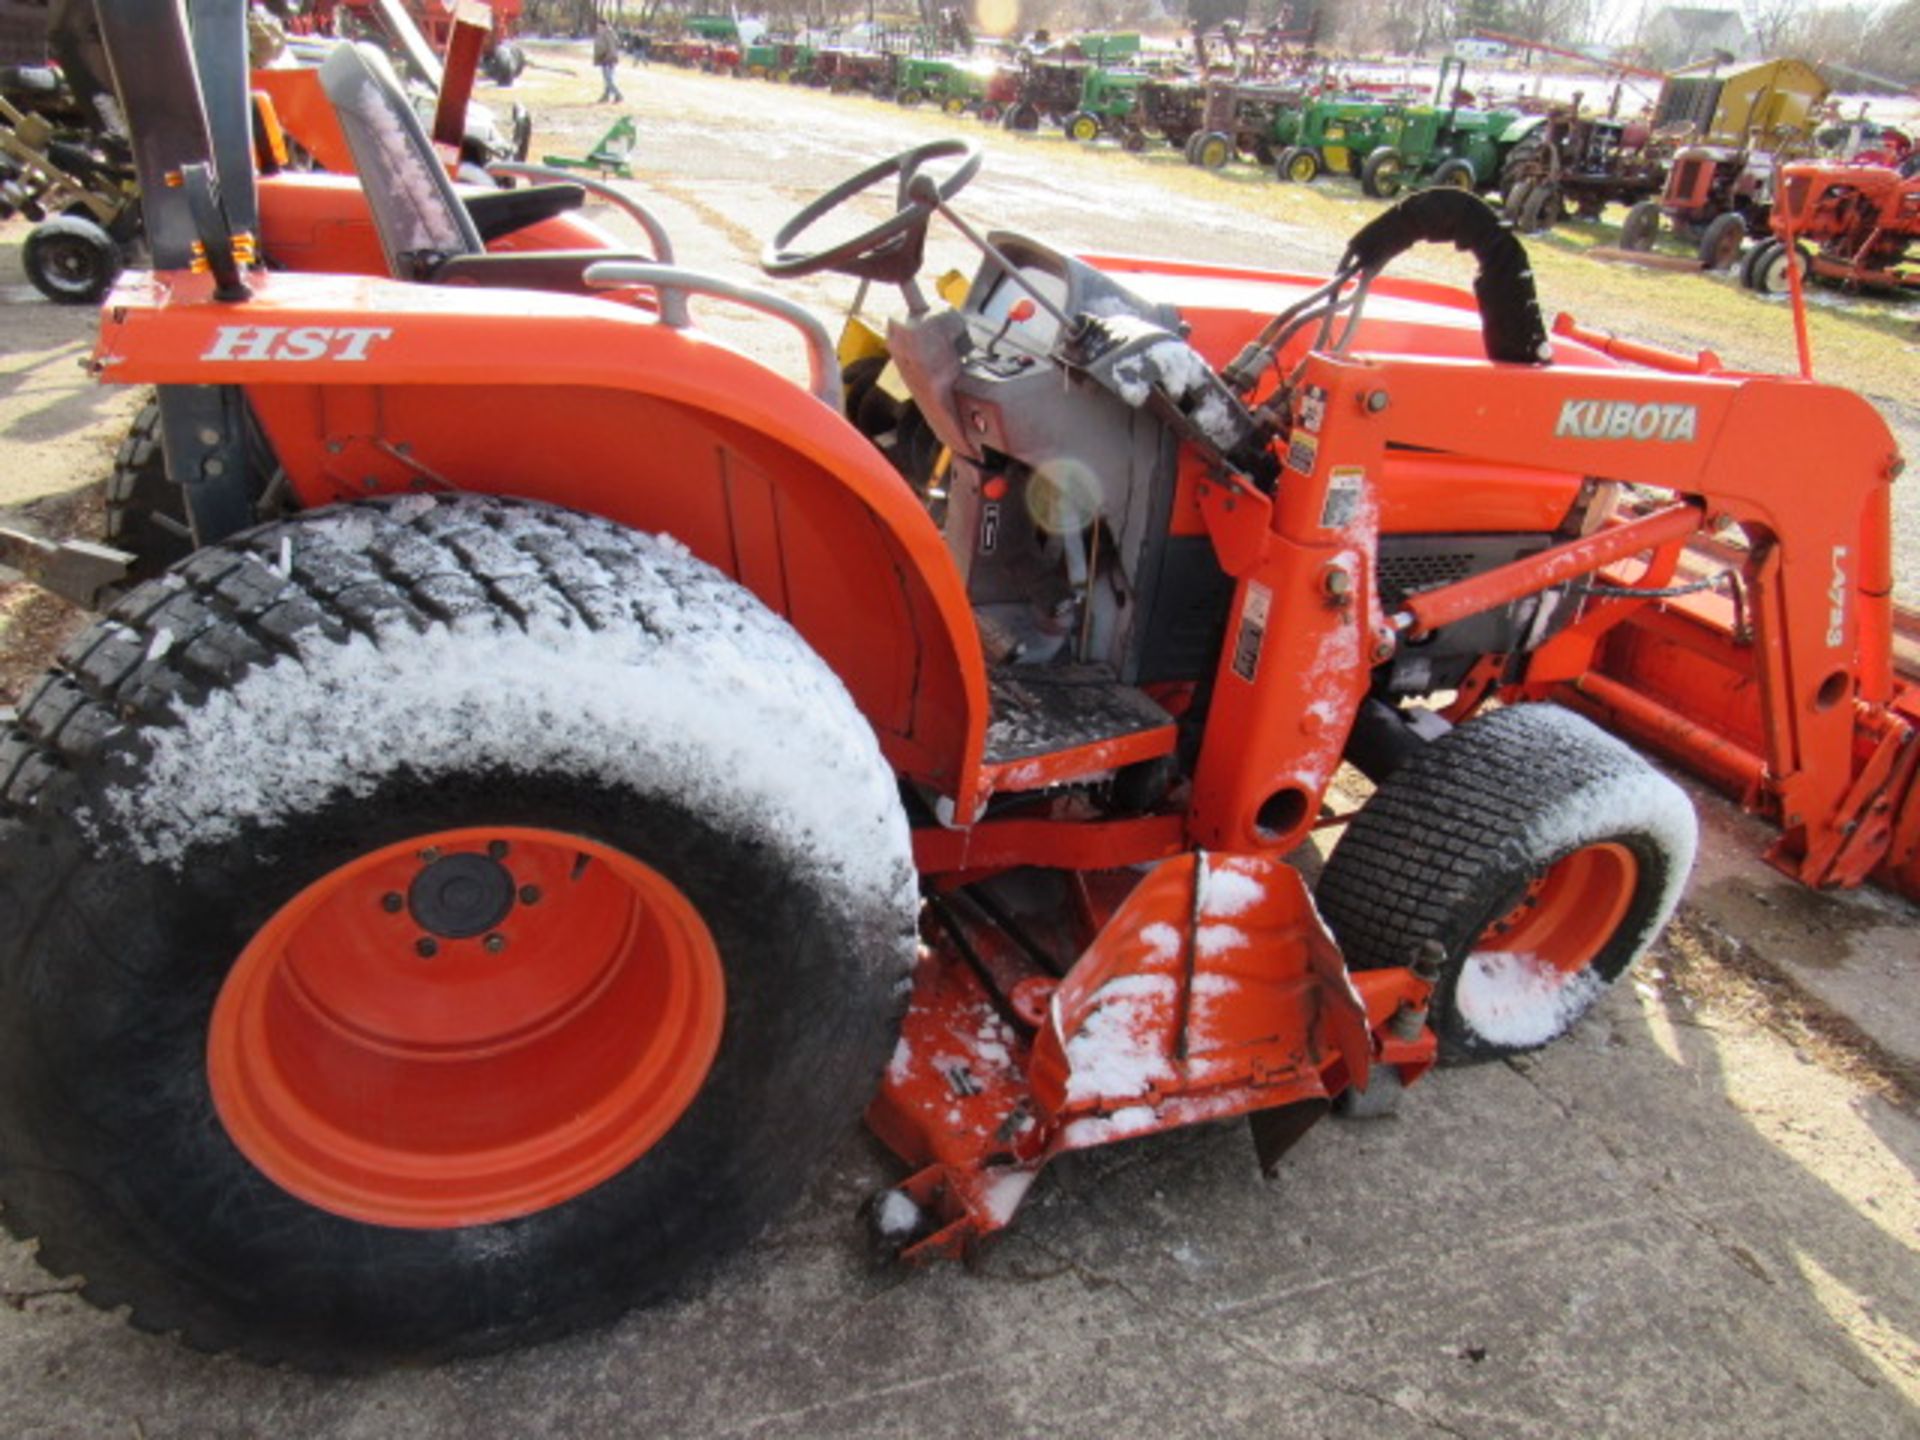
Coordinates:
x,y
451,913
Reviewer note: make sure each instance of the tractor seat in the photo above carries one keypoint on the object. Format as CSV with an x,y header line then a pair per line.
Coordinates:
x,y
506,212
426,232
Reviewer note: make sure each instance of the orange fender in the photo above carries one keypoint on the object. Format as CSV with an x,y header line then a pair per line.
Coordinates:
x,y
584,402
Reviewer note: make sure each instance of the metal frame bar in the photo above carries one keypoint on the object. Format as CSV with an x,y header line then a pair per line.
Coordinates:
x,y
675,285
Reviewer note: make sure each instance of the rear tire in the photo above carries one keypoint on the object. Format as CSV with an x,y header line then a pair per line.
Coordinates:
x,y
291,704
1541,856
1380,176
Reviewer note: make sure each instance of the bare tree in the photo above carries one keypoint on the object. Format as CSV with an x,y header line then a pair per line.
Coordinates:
x,y
1890,46
1771,22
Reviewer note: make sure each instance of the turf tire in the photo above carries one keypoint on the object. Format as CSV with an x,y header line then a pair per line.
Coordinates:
x,y
113,948
1452,840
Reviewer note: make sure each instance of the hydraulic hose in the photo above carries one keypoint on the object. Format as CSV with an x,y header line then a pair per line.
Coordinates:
x,y
1509,309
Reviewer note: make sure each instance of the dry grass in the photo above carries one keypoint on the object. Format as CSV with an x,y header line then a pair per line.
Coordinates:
x,y
1713,974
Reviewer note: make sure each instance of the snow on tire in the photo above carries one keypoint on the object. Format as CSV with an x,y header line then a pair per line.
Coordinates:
x,y
380,788
1540,854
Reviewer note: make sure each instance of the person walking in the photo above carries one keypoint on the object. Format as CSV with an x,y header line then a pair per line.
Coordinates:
x,y
606,54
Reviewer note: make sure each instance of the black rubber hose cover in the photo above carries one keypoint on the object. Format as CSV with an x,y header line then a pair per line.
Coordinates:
x,y
1509,309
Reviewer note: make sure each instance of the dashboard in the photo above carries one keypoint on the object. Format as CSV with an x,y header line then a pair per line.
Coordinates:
x,y
1071,287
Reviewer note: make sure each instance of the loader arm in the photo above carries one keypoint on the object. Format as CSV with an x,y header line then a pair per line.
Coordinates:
x,y
1833,724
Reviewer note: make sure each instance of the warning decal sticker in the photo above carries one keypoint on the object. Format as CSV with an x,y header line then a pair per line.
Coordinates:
x,y
1345,485
1253,630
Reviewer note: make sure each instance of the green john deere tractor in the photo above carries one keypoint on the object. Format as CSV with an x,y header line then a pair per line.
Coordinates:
x,y
1108,99
920,78
1334,135
1447,142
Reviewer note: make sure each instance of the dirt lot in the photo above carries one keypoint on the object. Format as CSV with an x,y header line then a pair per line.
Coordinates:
x,y
1697,1217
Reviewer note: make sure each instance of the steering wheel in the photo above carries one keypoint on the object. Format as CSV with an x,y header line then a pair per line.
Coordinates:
x,y
890,252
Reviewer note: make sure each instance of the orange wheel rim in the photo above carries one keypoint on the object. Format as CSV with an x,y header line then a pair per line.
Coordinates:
x,y
1570,912
465,1027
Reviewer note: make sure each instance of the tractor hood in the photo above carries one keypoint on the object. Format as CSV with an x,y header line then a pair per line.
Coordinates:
x,y
1225,306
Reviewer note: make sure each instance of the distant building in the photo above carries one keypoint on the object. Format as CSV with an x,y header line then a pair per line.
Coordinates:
x,y
1683,34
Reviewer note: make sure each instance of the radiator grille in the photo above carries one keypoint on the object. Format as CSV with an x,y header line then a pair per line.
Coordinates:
x,y
1404,575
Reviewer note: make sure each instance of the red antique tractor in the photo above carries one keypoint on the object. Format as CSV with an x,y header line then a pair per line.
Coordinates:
x,y
455,910
1845,222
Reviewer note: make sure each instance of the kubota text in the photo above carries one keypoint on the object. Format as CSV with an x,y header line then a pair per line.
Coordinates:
x,y
1624,420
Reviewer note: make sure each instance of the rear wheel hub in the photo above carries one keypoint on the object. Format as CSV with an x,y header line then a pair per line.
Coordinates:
x,y
459,896
465,1027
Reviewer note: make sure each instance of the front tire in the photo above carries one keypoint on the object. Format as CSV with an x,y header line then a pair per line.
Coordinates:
x,y
395,717
1298,165
1722,242
71,260
1213,150
1542,209
146,511
1770,268
1641,227
1538,853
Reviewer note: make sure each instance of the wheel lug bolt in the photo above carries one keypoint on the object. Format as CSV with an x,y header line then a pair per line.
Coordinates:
x,y
497,849
495,944
529,894
426,947
391,902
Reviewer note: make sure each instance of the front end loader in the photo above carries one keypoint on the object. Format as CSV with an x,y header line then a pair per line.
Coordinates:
x,y
461,907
